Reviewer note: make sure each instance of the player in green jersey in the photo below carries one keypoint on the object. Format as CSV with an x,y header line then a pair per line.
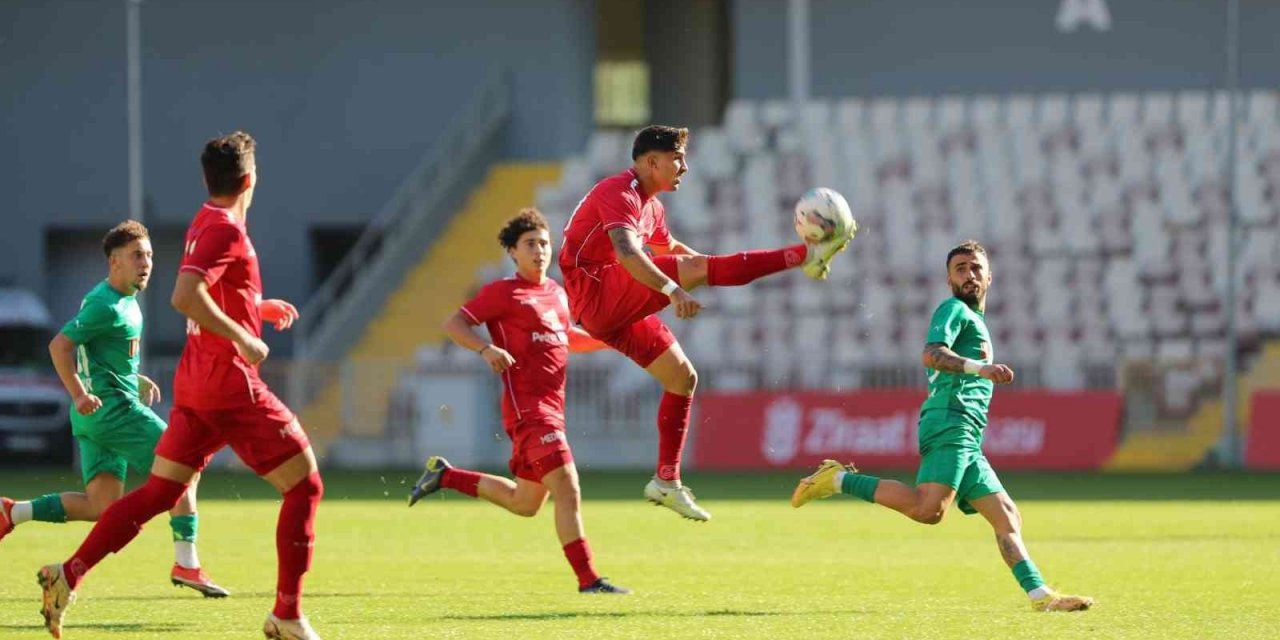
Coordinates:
x,y
96,356
962,373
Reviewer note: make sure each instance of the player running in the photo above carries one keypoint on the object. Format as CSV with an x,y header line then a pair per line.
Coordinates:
x,y
528,320
219,399
615,288
96,356
962,374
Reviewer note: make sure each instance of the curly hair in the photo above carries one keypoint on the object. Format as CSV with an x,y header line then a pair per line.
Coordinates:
x,y
122,234
529,219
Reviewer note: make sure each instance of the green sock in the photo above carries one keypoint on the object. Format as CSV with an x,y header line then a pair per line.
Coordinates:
x,y
862,486
48,508
1027,575
184,527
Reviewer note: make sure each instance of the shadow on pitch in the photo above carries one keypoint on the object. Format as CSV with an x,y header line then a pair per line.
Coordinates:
x,y
565,615
121,627
187,595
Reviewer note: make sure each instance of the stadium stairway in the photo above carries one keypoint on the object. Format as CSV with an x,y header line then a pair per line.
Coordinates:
x,y
414,312
1183,450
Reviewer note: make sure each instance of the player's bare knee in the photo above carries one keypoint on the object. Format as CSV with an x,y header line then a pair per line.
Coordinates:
x,y
928,515
526,509
693,270
689,382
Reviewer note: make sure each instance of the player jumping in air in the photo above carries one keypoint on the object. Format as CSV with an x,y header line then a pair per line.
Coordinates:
x,y
528,320
96,356
219,399
962,373
615,288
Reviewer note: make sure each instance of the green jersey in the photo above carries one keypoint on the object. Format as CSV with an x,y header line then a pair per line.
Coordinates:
x,y
958,399
107,331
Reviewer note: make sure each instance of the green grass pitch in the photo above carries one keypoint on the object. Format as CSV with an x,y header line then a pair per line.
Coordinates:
x,y
1188,556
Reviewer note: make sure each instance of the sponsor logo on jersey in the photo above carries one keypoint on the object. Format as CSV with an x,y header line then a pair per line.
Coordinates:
x,y
550,337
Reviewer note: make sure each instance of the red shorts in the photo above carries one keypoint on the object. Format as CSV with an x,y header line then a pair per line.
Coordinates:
x,y
616,309
538,447
264,434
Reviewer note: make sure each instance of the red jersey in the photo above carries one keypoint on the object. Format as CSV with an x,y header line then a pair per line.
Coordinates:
x,y
211,374
616,201
530,321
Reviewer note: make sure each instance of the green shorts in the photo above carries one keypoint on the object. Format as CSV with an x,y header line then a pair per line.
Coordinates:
x,y
117,443
963,468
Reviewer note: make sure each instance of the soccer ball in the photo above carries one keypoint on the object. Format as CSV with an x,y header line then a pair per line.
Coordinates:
x,y
821,214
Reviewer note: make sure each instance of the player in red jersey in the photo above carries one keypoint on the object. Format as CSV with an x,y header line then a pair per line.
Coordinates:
x,y
528,321
615,288
219,399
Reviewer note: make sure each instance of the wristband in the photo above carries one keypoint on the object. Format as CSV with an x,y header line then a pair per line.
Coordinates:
x,y
669,287
972,367
484,349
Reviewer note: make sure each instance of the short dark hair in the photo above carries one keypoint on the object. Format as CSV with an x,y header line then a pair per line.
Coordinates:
x,y
966,247
656,137
122,234
226,160
529,219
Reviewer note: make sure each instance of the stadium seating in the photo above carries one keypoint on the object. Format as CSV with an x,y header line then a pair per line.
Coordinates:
x,y
1104,214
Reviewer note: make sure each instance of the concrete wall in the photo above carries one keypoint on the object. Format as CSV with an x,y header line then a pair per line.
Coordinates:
x,y
344,98
892,47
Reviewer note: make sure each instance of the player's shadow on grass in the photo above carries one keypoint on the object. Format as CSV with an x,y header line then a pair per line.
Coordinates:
x,y
120,627
187,595
563,615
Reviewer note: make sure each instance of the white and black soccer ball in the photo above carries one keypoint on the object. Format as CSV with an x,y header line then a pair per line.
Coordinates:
x,y
822,214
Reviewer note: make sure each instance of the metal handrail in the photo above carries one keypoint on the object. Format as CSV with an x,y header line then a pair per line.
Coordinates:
x,y
417,199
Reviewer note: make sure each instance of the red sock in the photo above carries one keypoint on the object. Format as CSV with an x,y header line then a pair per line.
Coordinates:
x,y
462,481
121,523
578,553
673,426
740,268
295,537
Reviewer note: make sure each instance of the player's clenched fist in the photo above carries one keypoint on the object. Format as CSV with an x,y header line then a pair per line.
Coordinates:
x,y
252,349
686,305
997,373
87,404
279,313
498,358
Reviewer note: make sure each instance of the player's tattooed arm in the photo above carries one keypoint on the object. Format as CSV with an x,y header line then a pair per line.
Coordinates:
x,y
626,244
940,357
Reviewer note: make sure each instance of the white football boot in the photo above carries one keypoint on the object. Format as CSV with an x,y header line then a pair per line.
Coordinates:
x,y
678,499
277,629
